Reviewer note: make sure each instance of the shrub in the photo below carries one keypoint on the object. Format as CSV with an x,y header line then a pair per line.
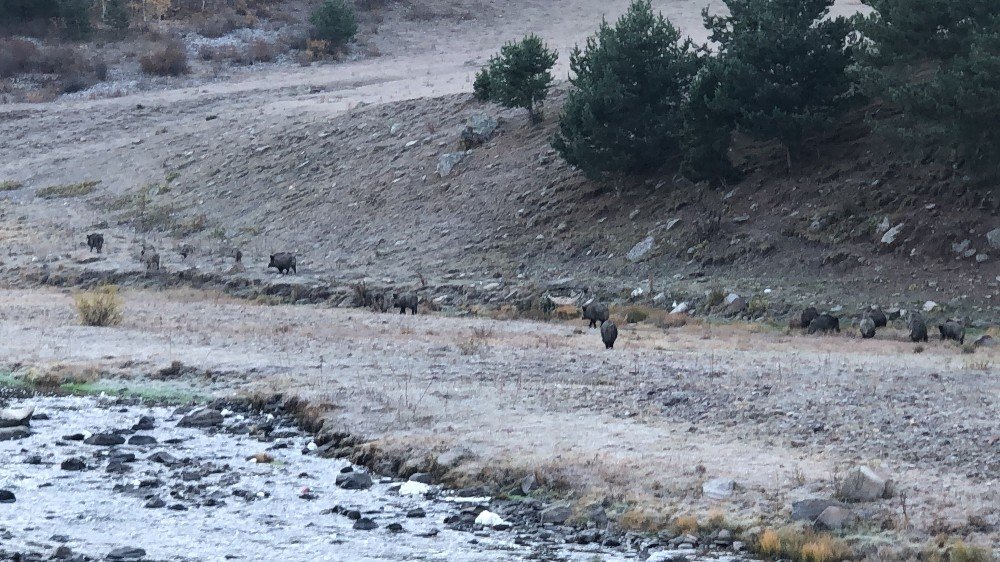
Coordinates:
x,y
519,76
624,114
217,25
635,314
16,56
335,22
769,544
259,50
785,89
167,59
481,86
101,307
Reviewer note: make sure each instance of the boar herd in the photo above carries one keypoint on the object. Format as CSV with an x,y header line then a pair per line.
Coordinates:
x,y
284,262
872,319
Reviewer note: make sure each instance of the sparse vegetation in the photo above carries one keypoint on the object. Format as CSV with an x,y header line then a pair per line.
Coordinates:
x,y
802,545
10,185
636,314
68,190
519,76
167,59
100,307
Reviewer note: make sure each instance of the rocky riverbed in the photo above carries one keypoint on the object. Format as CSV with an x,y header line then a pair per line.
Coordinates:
x,y
98,478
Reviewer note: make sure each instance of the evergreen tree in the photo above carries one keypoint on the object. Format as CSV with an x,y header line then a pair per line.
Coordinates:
x,y
116,15
785,66
335,22
625,114
75,15
519,76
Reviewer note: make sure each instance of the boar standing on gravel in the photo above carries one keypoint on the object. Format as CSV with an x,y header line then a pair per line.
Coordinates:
x,y
150,258
877,316
595,312
824,323
808,315
404,301
609,333
918,329
95,241
867,327
283,262
952,330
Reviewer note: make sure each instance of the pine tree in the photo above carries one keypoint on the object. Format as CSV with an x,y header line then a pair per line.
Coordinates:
x,y
785,63
625,115
519,76
335,22
116,15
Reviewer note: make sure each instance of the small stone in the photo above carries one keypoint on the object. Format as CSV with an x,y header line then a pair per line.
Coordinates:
x,y
365,524
422,477
529,483
11,433
126,553
447,162
718,488
556,514
354,481
204,417
73,464
394,528
105,440
416,513
74,437
142,440
155,503
6,496
163,457
177,507
145,423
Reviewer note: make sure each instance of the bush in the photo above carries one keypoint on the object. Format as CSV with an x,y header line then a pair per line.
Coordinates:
x,y
481,86
16,56
519,76
943,82
168,59
625,113
101,307
785,89
335,23
217,25
116,15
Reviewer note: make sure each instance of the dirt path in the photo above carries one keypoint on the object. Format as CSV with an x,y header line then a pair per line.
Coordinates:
x,y
648,422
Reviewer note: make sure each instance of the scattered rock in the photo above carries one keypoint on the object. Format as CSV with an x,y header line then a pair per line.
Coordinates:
x,y
145,423
394,528
10,433
155,503
557,513
126,553
929,306
718,488
809,510
365,524
422,477
6,496
142,440
416,513
205,417
12,417
489,519
890,236
447,162
73,464
354,481
529,483
641,250
680,308
735,307
862,484
105,440
163,457
834,518
993,237
74,437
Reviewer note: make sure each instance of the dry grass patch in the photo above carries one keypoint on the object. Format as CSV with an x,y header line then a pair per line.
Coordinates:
x,y
802,545
166,59
57,375
10,185
68,190
101,307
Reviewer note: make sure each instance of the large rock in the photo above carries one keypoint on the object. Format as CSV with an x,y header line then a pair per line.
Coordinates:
x,y
142,440
809,510
6,496
735,307
10,433
354,481
15,417
447,162
890,236
718,488
834,518
556,514
641,250
126,553
73,464
365,524
105,440
454,456
863,484
204,417
478,130
993,237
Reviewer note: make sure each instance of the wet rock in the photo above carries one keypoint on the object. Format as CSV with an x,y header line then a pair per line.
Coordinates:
x,y
73,464
416,513
394,528
834,518
588,536
556,514
422,477
718,488
365,524
11,433
163,457
862,484
74,437
15,417
122,457
117,468
126,553
205,417
472,492
155,503
145,423
354,481
105,440
62,553
6,496
33,459
809,510
428,533
142,440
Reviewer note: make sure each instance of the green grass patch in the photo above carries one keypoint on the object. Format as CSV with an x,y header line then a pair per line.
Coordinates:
x,y
158,393
68,190
10,185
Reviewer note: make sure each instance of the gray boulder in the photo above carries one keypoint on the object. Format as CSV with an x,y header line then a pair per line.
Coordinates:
x,y
14,417
834,518
354,481
447,162
556,514
205,417
718,488
454,456
864,484
641,250
809,510
993,237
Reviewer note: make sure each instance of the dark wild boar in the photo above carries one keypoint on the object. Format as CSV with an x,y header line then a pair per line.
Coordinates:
x,y
283,262
595,312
